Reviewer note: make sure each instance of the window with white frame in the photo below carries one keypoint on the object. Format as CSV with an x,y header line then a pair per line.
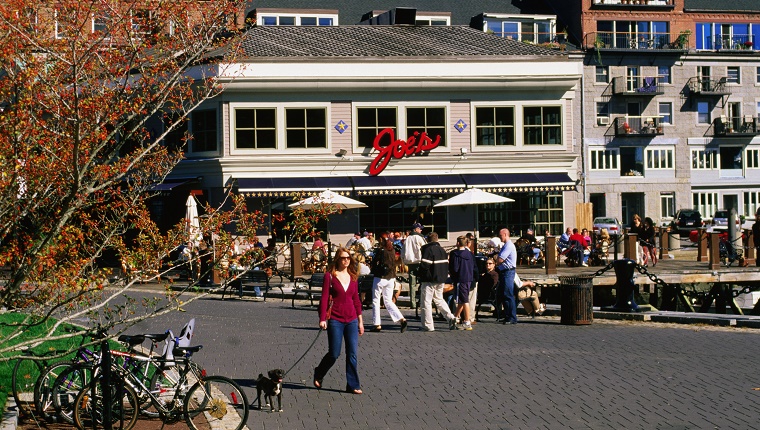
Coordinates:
x,y
432,20
370,121
659,158
255,128
305,128
542,125
665,109
602,111
733,75
731,158
667,205
289,18
751,202
632,161
604,159
144,22
663,75
703,113
753,158
602,74
431,120
62,25
703,159
519,28
495,126
203,129
101,23
705,203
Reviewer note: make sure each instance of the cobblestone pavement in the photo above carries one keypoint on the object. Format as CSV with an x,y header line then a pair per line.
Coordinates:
x,y
534,375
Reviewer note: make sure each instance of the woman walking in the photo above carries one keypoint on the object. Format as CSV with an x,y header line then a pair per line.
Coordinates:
x,y
384,271
647,239
345,319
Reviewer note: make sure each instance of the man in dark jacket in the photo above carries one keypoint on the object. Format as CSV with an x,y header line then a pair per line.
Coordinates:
x,y
461,268
433,271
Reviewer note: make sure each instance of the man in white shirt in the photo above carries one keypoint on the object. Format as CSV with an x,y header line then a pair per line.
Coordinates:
x,y
411,253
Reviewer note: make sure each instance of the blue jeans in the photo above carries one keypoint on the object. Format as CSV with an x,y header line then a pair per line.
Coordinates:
x,y
507,285
336,333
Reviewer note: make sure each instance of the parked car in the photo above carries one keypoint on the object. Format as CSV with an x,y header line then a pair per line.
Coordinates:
x,y
686,220
721,219
613,226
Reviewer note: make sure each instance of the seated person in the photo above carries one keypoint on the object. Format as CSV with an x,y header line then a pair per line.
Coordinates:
x,y
577,237
530,237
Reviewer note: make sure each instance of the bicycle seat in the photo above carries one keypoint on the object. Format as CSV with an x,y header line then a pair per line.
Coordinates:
x,y
180,350
157,337
132,340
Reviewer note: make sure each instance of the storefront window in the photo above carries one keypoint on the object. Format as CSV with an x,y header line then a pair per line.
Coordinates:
x,y
398,213
370,121
495,126
542,125
429,120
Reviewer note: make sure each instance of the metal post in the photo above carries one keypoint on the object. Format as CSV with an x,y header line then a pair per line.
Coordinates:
x,y
105,384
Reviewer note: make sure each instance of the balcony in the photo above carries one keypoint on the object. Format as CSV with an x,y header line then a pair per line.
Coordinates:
x,y
737,43
546,40
736,126
709,86
635,3
651,42
637,126
645,86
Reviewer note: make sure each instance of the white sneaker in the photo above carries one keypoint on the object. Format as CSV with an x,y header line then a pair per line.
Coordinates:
x,y
466,326
584,264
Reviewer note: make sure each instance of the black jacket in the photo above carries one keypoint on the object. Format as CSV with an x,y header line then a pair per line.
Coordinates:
x,y
434,266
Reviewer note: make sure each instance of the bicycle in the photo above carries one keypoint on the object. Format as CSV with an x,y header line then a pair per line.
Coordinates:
x,y
208,402
26,373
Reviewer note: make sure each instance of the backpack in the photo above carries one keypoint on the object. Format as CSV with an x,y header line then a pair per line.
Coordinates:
x,y
378,268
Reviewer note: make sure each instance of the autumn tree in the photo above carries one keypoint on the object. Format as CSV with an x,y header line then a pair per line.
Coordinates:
x,y
89,89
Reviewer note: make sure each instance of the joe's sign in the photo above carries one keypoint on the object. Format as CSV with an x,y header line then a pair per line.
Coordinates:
x,y
415,144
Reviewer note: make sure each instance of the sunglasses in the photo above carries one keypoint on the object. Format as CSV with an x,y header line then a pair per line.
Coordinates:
x,y
344,258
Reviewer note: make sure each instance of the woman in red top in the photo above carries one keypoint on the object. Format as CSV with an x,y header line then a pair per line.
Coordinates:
x,y
345,318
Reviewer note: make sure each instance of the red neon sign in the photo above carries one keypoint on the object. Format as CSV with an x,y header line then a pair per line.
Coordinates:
x,y
399,149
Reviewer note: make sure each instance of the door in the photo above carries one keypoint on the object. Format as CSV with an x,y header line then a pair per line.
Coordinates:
x,y
731,201
634,115
632,203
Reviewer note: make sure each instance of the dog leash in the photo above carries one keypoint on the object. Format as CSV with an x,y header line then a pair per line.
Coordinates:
x,y
304,354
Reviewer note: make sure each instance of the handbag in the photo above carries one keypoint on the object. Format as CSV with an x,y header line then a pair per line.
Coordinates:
x,y
329,308
524,293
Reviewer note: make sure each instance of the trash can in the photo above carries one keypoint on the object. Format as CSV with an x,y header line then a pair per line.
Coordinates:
x,y
576,299
674,240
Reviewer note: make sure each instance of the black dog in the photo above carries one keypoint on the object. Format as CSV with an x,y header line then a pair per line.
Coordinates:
x,y
271,387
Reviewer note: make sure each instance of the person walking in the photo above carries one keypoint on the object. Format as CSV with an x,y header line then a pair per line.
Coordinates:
x,y
433,271
637,228
384,271
647,241
340,293
461,269
506,263
411,254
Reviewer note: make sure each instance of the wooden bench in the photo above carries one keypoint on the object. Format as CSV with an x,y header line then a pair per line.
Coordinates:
x,y
252,279
311,289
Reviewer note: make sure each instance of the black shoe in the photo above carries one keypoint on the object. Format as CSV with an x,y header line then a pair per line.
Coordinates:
x,y
376,329
403,325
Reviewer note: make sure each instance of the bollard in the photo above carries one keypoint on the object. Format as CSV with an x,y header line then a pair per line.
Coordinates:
x,y
629,248
550,255
295,259
664,242
702,245
576,299
624,286
714,254
749,247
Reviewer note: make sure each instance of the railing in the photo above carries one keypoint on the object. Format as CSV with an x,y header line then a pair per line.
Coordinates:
x,y
637,86
638,126
709,85
637,41
670,3
737,42
531,37
735,126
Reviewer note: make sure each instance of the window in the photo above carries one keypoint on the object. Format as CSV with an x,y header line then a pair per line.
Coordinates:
x,y
667,205
631,161
733,75
751,202
665,109
371,121
757,75
175,139
533,31
603,74
703,113
495,126
702,159
100,23
542,125
663,75
705,203
144,22
306,128
659,159
432,20
255,128
429,120
753,158
730,158
203,130
604,159
602,111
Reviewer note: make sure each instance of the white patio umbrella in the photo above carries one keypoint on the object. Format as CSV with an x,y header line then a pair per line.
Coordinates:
x,y
192,221
474,196
328,197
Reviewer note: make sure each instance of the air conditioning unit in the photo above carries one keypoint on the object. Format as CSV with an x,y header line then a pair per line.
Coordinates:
x,y
603,120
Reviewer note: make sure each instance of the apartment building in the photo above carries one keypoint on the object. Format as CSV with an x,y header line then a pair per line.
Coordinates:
x,y
670,104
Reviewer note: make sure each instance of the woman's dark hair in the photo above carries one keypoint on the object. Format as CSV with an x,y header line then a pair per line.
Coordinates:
x,y
649,221
386,243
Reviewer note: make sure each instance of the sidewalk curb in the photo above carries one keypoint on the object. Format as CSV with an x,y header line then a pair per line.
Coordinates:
x,y
10,415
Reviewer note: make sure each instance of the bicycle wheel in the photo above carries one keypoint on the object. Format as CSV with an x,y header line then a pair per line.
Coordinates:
x,y
224,405
168,388
24,376
89,413
66,387
43,391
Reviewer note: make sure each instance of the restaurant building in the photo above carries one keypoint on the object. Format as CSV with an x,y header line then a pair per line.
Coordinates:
x,y
399,117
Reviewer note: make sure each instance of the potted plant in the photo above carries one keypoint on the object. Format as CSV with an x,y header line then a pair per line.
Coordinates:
x,y
748,44
659,129
626,128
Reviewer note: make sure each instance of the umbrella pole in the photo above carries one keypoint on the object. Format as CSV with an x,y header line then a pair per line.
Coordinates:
x,y
329,244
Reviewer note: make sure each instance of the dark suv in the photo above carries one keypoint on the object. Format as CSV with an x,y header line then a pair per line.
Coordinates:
x,y
686,220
